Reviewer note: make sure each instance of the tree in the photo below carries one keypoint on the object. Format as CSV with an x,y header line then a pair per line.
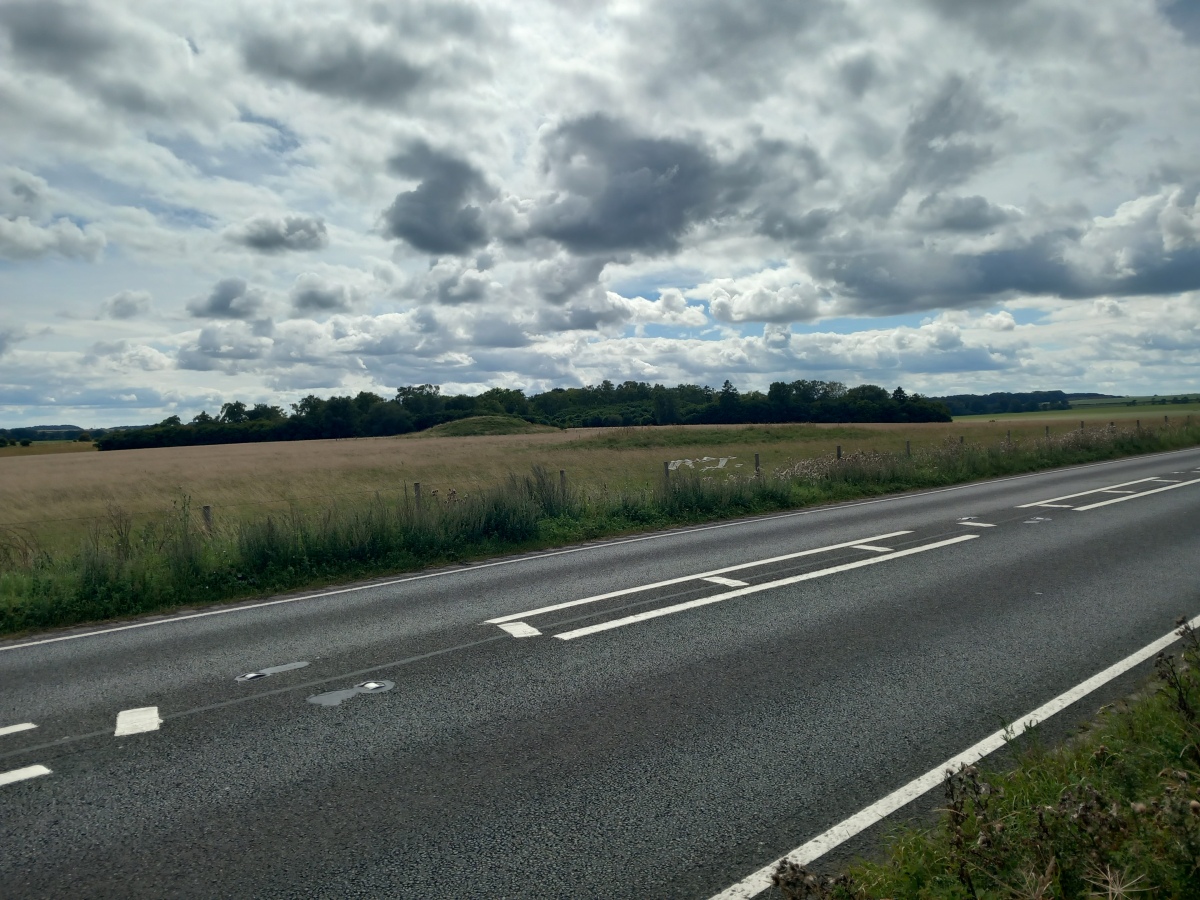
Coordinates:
x,y
170,422
264,413
202,418
233,413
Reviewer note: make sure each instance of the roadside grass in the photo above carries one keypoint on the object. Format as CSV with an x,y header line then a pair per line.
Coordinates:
x,y
1113,813
58,498
1096,410
126,563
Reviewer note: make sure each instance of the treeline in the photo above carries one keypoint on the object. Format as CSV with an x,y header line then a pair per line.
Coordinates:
x,y
418,407
26,436
1003,402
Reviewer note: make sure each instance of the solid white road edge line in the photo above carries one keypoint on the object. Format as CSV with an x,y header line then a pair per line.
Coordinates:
x,y
1169,487
23,774
698,576
13,729
676,532
1084,493
755,588
519,629
135,721
759,881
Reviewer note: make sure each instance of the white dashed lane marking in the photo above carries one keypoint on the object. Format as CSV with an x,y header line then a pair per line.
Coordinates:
x,y
22,774
872,547
13,729
135,721
727,582
519,629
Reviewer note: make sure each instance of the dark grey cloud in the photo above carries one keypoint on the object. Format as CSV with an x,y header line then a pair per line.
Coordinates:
x,y
336,64
939,212
55,36
441,215
312,294
619,191
859,73
738,48
1184,15
9,337
126,305
268,234
938,143
230,298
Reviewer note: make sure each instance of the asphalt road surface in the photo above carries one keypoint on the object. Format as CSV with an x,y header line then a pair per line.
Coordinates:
x,y
639,718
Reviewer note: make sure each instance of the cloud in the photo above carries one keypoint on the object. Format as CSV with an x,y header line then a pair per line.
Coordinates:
x,y
9,336
126,305
619,191
939,212
268,234
230,298
23,239
438,217
337,65
313,294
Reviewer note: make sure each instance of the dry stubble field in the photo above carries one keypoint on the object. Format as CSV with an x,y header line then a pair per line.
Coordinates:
x,y
55,497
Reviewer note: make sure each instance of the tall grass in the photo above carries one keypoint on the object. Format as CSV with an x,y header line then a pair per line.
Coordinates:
x,y
124,569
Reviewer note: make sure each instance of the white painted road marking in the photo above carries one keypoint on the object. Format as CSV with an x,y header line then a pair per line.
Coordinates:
x,y
1111,491
519,629
977,524
1084,493
649,587
1057,505
806,853
22,774
13,729
135,721
727,582
754,589
1169,487
873,547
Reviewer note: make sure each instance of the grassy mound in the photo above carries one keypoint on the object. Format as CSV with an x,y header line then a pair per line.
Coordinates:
x,y
476,425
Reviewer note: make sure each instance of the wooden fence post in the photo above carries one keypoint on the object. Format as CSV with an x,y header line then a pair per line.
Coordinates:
x,y
562,481
417,493
839,451
206,511
757,467
908,448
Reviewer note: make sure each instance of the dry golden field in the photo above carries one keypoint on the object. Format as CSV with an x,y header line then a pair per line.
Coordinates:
x,y
55,496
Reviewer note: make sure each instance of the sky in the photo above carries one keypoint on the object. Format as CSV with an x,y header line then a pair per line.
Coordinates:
x,y
202,202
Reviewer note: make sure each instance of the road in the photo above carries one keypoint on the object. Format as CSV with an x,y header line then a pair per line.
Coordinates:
x,y
649,717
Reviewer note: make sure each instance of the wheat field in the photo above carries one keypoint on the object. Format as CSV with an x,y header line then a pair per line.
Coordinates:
x,y
54,497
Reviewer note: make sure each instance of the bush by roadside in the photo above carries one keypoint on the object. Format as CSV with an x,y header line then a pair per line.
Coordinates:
x,y
1115,814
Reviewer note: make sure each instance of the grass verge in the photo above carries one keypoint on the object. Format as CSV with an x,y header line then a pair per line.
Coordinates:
x,y
125,568
1114,813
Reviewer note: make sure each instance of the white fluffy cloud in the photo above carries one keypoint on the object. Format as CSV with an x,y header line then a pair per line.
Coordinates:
x,y
951,195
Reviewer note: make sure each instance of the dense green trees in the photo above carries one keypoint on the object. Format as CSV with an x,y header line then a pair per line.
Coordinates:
x,y
416,407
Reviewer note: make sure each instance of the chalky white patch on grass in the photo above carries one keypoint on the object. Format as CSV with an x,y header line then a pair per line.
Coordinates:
x,y
22,774
135,721
13,729
808,852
